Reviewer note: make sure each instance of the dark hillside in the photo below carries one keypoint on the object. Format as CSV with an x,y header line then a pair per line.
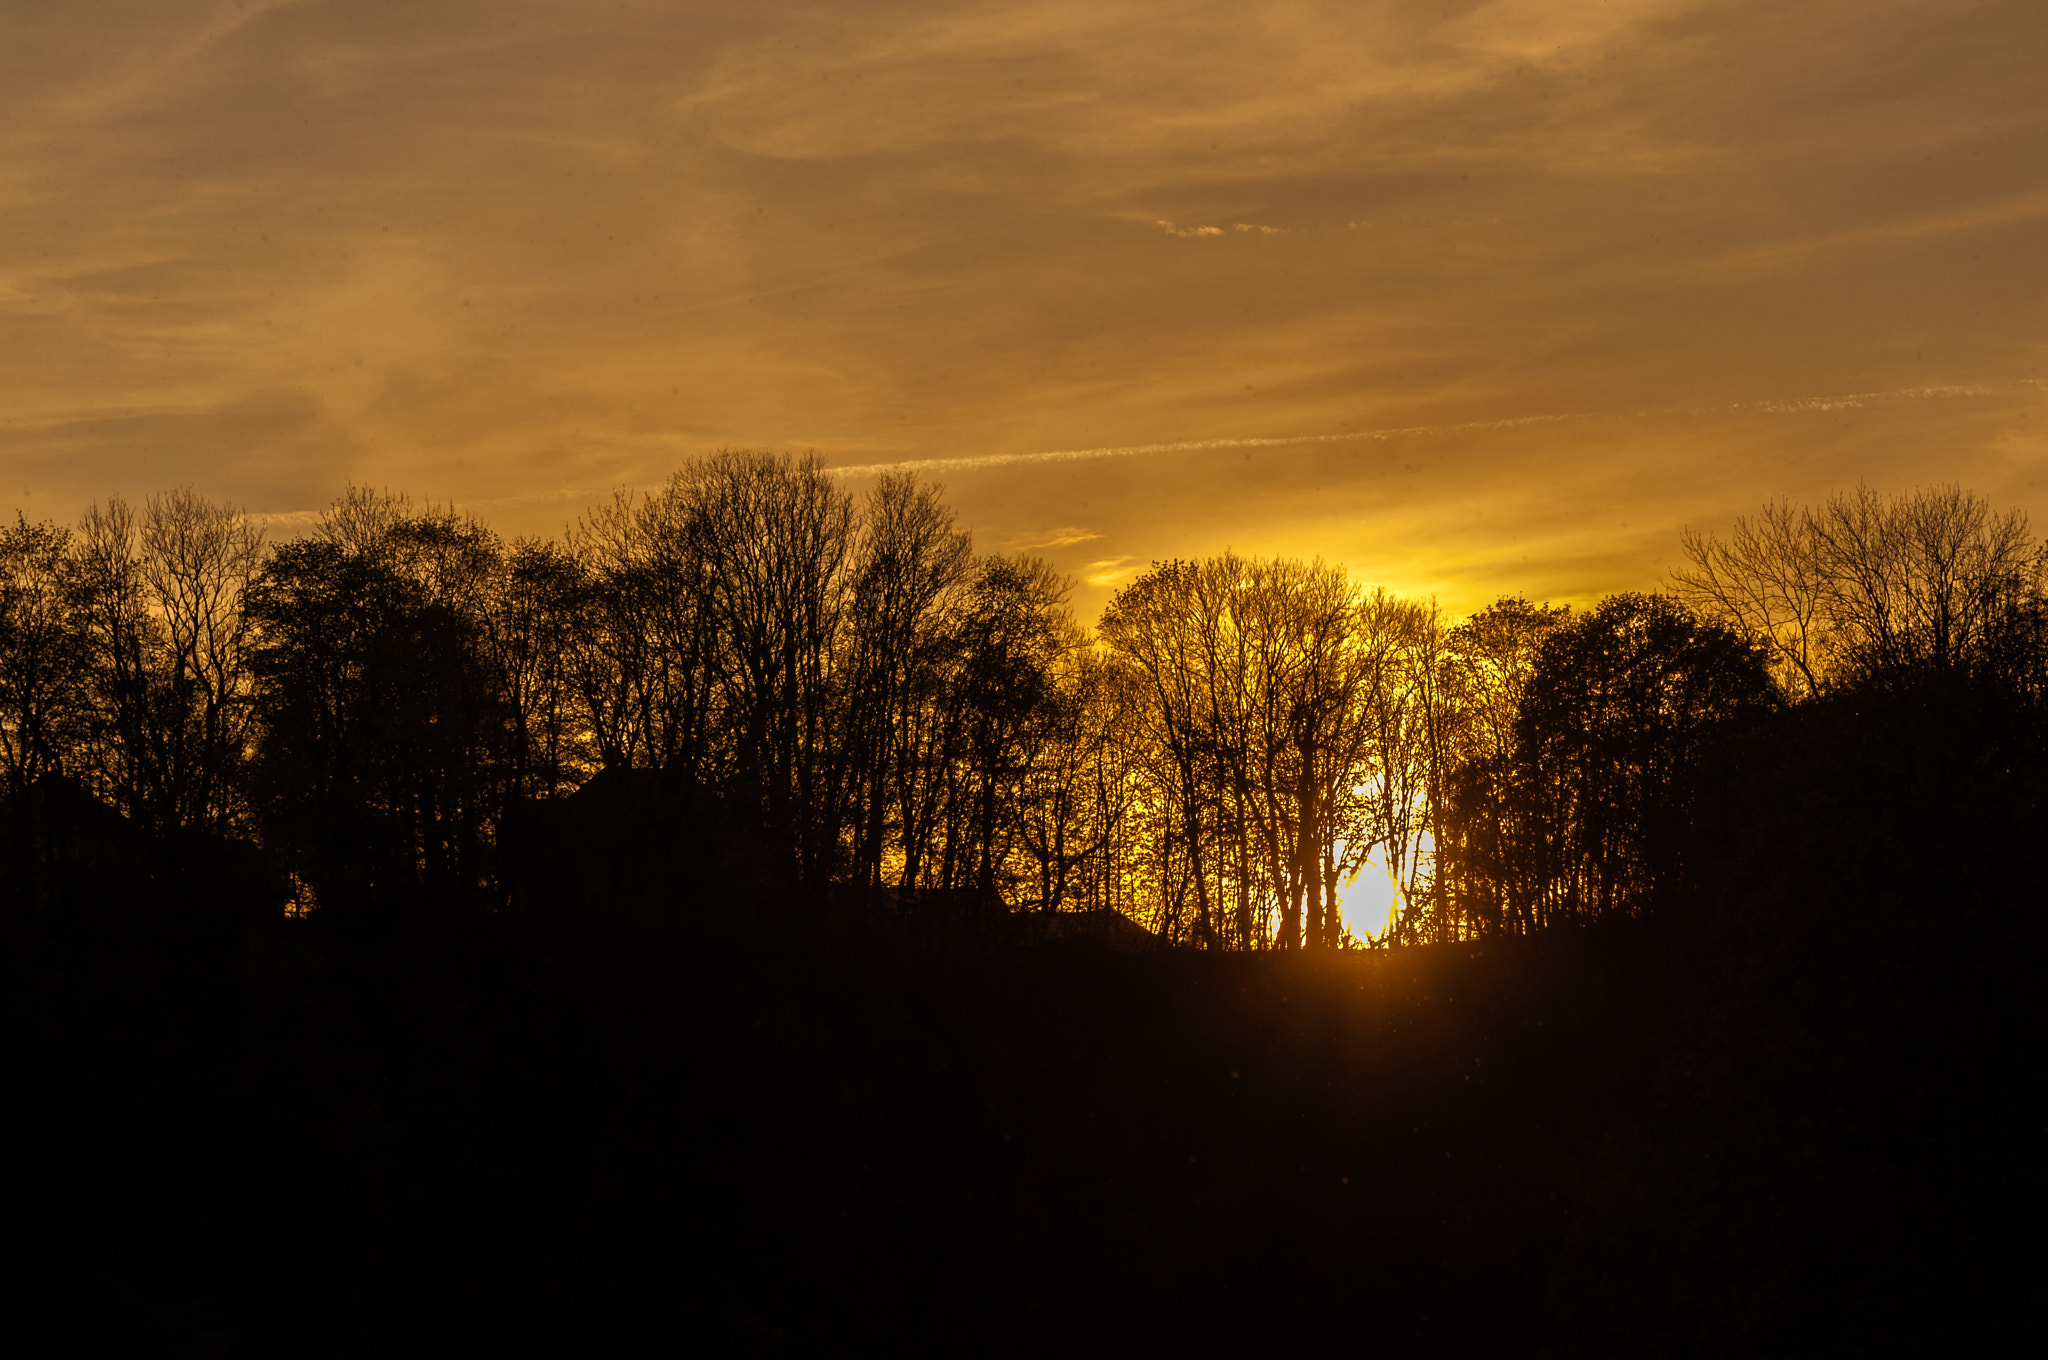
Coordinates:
x,y
1837,1159
459,1131
526,1127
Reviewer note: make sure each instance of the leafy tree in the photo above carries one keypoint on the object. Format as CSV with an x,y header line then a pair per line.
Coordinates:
x,y
1616,718
383,763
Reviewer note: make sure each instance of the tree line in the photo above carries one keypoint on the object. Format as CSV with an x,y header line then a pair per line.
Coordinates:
x,y
875,714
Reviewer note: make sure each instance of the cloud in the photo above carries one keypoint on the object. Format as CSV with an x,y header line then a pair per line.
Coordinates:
x,y
511,256
2018,208
1242,228
1112,571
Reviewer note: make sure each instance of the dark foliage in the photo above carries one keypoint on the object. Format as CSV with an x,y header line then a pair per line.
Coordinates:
x,y
382,768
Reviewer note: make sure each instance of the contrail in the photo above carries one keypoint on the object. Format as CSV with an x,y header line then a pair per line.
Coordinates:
x,y
988,460
1794,404
993,460
1846,402
1790,405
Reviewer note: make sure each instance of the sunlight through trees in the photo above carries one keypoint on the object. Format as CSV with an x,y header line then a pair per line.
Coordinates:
x,y
841,695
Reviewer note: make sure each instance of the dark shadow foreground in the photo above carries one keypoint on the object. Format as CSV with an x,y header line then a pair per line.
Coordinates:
x,y
1794,1118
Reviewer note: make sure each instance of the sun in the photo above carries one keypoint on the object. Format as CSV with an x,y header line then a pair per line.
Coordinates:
x,y
1366,903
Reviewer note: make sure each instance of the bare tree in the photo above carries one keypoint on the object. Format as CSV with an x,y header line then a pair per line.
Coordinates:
x,y
1280,717
638,657
911,563
1866,587
1076,793
530,635
361,517
1484,836
162,605
1153,626
771,536
42,654
198,558
1397,777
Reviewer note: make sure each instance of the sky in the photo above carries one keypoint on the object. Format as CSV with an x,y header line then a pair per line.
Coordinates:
x,y
1472,298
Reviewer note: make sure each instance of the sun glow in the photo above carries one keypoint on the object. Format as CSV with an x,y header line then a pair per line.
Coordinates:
x,y
1366,903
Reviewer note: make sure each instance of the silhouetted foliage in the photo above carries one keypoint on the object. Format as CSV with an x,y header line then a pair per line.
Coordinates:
x,y
1620,711
1490,842
382,770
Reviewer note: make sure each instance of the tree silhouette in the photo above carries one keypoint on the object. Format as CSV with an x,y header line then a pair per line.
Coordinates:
x,y
43,655
1614,723
382,767
1489,835
911,566
1866,588
837,692
161,602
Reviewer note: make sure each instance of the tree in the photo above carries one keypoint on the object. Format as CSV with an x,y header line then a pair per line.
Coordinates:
x,y
640,654
161,603
1615,720
1077,790
529,635
766,541
1867,589
1151,626
43,655
910,566
1487,839
1270,696
1014,633
1405,723
382,761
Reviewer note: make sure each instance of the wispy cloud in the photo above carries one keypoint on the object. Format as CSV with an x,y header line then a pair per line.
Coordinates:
x,y
1241,228
2017,208
1852,400
515,255
1110,571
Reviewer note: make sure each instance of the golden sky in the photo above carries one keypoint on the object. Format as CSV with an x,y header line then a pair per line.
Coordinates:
x,y
1470,297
